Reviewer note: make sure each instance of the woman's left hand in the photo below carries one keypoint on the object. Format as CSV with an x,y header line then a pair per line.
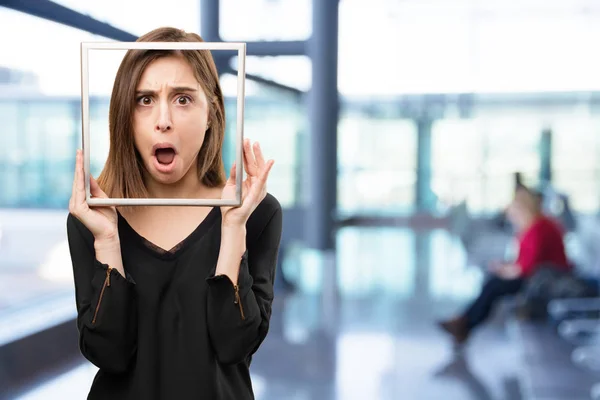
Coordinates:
x,y
508,271
254,187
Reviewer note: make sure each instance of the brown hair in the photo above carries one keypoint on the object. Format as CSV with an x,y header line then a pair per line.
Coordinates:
x,y
122,174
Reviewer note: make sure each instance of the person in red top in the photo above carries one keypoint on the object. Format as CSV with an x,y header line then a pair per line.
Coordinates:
x,y
540,244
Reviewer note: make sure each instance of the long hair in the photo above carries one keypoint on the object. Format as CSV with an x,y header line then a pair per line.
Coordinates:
x,y
122,175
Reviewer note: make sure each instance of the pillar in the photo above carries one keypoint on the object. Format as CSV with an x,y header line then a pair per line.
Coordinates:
x,y
424,195
323,111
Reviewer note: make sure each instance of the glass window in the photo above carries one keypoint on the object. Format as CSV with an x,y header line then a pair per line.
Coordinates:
x,y
455,176
140,16
544,48
292,71
12,117
265,20
575,155
99,133
279,130
41,106
40,111
276,120
377,162
481,46
46,145
412,63
52,65
511,145
476,159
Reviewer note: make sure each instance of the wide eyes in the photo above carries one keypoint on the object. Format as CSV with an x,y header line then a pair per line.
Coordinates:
x,y
144,101
182,100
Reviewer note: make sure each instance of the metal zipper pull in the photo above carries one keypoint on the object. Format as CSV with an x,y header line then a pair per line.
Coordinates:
x,y
238,300
104,286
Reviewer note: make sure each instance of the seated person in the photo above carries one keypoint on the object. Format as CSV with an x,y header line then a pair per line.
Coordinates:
x,y
540,243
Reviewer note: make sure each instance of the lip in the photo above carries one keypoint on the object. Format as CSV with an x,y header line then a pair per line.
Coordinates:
x,y
165,169
163,145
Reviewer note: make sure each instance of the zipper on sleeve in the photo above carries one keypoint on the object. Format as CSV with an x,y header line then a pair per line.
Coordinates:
x,y
104,286
238,300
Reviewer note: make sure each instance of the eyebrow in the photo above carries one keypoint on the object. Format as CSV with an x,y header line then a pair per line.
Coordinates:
x,y
173,89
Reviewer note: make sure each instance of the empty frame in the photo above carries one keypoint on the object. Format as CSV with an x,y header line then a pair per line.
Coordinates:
x,y
85,114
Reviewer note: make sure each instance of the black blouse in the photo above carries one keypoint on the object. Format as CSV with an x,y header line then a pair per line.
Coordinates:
x,y
172,329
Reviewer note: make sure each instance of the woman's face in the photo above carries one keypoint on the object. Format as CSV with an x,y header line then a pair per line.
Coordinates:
x,y
170,119
521,210
515,214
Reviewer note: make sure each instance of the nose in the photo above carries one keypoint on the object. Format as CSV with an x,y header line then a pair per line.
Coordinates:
x,y
164,123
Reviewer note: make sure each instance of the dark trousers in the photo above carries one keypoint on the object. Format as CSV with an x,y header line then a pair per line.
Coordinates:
x,y
494,289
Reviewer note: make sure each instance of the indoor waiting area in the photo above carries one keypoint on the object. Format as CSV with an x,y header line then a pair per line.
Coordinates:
x,y
437,167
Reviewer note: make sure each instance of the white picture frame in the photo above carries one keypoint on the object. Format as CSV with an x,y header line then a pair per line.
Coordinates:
x,y
85,119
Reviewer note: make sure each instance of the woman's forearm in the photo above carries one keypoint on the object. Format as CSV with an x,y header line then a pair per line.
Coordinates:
x,y
109,252
233,246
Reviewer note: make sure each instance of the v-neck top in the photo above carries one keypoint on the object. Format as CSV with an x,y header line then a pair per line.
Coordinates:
x,y
171,329
126,229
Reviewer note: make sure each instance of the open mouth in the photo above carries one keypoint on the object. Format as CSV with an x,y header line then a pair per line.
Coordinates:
x,y
164,154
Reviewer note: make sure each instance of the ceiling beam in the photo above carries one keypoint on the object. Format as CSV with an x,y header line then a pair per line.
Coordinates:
x,y
54,12
285,48
270,83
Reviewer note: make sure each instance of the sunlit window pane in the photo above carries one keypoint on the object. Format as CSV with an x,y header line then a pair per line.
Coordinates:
x,y
377,161
265,20
140,16
575,160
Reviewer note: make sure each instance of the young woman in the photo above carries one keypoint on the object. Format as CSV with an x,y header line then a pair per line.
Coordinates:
x,y
172,302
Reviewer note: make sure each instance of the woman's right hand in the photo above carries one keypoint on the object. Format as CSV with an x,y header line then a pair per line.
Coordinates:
x,y
101,221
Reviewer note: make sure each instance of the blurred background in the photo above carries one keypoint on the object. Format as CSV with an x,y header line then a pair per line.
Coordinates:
x,y
398,127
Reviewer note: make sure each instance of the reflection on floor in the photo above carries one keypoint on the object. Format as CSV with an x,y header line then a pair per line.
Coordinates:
x,y
34,257
21,289
376,339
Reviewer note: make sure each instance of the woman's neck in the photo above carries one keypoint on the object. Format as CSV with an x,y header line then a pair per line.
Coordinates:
x,y
189,187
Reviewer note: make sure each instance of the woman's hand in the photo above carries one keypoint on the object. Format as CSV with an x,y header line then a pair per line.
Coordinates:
x,y
254,187
508,271
101,221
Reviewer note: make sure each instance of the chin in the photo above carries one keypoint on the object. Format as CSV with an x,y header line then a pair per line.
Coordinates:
x,y
166,180
165,173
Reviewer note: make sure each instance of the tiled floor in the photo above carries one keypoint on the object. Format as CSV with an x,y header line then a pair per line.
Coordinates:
x,y
377,339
